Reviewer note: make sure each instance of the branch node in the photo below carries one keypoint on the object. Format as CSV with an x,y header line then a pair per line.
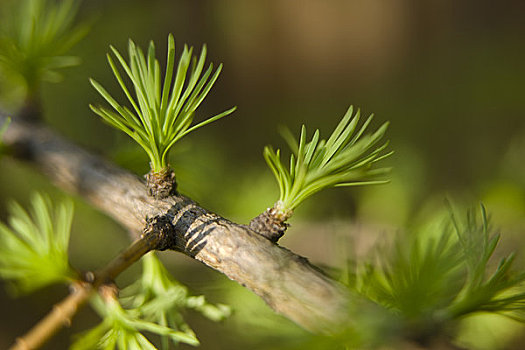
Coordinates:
x,y
89,277
161,184
270,224
160,233
108,291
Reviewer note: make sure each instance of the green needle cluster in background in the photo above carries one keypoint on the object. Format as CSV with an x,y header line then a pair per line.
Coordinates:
x,y
34,247
35,37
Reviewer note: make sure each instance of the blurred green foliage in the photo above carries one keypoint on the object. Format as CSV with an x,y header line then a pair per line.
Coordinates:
x,y
153,304
121,329
34,247
435,277
34,254
34,37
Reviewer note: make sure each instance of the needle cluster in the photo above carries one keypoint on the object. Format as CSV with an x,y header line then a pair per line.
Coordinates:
x,y
162,109
345,159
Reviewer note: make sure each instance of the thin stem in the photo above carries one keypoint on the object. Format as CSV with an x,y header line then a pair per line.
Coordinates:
x,y
62,313
126,258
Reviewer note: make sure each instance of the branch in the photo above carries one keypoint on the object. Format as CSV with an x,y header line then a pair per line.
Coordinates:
x,y
287,282
60,316
62,313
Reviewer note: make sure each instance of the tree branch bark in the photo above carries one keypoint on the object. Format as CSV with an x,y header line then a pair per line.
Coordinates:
x,y
287,282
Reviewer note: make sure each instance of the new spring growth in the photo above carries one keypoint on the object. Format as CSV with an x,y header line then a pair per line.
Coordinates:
x,y
345,159
162,110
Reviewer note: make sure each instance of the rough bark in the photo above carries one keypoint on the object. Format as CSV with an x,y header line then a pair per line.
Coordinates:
x,y
161,184
286,281
269,224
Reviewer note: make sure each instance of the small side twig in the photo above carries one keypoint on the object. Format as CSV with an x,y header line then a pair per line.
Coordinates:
x,y
60,316
62,313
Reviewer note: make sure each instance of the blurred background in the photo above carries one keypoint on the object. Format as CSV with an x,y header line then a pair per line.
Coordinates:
x,y
448,75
